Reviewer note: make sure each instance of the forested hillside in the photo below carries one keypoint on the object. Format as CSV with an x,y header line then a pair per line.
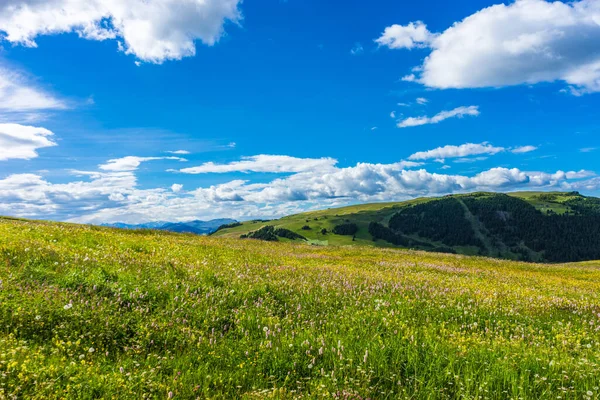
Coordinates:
x,y
551,227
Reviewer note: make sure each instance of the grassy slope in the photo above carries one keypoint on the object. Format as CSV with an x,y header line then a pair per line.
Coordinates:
x,y
556,205
363,214
91,312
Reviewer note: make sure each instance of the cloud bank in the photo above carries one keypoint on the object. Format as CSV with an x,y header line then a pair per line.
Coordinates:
x,y
113,195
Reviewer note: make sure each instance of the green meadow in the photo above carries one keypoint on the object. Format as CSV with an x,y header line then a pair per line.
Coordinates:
x,y
89,312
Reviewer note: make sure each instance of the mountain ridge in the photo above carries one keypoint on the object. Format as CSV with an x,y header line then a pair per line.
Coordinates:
x,y
197,227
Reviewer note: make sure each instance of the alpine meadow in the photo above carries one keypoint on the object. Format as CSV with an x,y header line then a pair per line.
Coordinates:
x,y
299,199
92,312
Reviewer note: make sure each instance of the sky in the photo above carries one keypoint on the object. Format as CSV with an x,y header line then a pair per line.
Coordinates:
x,y
174,110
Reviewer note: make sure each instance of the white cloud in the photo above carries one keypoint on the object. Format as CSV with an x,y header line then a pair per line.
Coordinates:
x,y
523,149
265,163
464,150
410,36
525,42
176,188
19,94
458,112
469,160
131,163
154,31
422,101
180,152
357,49
588,149
21,142
393,114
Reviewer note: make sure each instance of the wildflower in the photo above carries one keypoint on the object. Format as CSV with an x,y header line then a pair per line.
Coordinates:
x,y
170,395
68,306
91,350
38,317
590,393
121,369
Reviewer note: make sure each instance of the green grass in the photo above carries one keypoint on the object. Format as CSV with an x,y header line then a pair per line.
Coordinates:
x,y
89,313
556,203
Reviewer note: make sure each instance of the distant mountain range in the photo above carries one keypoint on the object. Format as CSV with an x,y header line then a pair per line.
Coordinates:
x,y
196,227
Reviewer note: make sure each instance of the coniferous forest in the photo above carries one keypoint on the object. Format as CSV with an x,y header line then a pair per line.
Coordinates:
x,y
509,224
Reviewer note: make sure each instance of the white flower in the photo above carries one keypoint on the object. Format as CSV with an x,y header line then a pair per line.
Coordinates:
x,y
68,306
91,350
590,393
38,317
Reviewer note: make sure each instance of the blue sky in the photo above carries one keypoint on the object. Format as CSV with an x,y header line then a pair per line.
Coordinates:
x,y
259,109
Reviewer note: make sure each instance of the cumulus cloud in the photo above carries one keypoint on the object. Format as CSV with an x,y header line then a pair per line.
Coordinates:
x,y
176,188
131,163
21,141
265,163
525,42
458,112
153,31
410,36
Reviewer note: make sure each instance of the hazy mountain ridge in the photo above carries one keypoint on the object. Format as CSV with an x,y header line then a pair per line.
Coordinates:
x,y
197,227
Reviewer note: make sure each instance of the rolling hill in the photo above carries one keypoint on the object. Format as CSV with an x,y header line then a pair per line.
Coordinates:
x,y
528,226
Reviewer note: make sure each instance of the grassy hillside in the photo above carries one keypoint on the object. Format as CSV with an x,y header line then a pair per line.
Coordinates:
x,y
89,312
530,226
